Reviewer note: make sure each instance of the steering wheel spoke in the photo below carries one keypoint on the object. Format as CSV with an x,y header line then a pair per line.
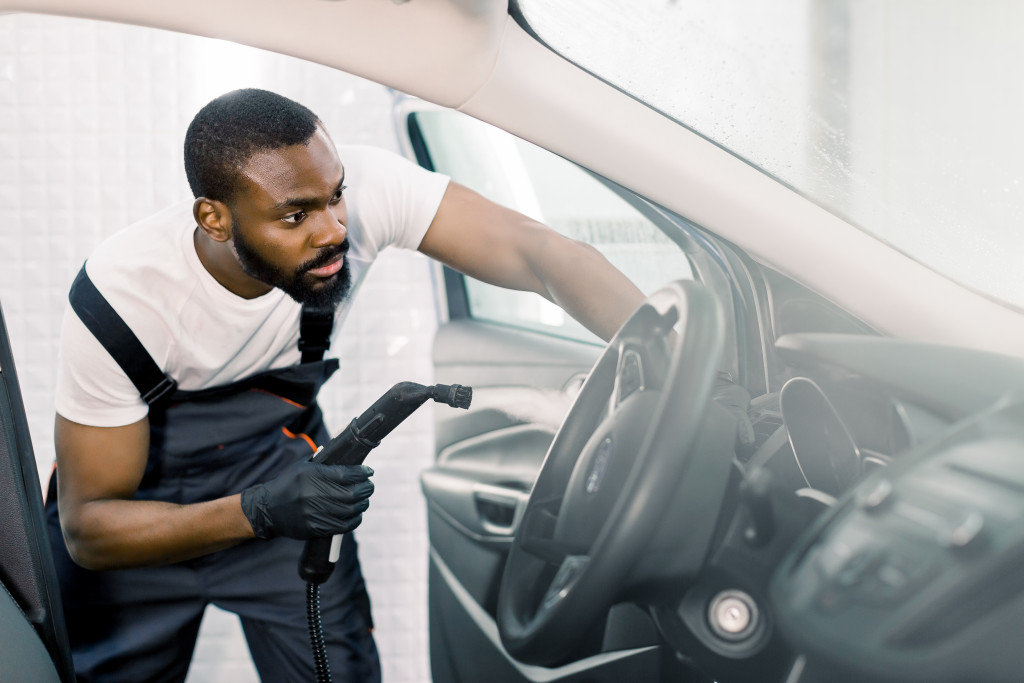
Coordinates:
x,y
641,365
537,530
569,572
631,371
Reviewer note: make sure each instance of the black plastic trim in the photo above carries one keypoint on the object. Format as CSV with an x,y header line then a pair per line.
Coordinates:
x,y
691,238
418,142
454,281
455,290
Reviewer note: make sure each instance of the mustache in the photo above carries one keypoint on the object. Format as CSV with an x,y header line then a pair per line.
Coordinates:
x,y
328,255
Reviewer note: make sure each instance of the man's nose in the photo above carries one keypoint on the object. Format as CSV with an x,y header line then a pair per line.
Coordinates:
x,y
330,229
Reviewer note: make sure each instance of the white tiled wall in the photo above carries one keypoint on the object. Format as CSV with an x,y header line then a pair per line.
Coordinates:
x,y
92,118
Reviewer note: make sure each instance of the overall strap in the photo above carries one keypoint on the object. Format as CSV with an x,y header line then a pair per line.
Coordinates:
x,y
315,327
153,384
117,338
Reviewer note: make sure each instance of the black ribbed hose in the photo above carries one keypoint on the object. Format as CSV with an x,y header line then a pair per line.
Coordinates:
x,y
316,633
350,447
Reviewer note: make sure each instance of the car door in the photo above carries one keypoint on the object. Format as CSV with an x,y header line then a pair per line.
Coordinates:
x,y
525,360
33,640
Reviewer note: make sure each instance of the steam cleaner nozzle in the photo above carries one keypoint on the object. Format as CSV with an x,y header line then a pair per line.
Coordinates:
x,y
455,395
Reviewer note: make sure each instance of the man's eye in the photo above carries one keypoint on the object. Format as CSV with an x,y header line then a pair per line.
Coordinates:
x,y
337,195
295,218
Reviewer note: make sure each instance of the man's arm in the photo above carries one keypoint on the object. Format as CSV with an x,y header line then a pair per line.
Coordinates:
x,y
505,248
98,472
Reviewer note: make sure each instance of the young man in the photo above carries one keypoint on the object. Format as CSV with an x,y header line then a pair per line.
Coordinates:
x,y
191,359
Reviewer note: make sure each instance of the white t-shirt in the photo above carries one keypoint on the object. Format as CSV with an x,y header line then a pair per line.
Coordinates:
x,y
200,333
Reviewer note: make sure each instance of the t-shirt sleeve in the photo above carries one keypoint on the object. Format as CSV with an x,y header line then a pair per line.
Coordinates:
x,y
396,199
91,387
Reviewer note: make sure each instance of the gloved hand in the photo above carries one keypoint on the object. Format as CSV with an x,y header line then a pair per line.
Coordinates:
x,y
309,500
736,400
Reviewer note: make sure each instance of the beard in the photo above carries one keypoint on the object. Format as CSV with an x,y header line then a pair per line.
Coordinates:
x,y
304,288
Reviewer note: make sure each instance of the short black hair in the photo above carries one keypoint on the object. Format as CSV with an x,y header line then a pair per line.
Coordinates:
x,y
230,129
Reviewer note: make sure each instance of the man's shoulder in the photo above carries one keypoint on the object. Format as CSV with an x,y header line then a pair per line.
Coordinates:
x,y
391,200
145,248
378,164
368,153
144,267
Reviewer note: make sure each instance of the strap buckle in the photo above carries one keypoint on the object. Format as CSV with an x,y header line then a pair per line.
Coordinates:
x,y
313,349
315,332
313,345
165,387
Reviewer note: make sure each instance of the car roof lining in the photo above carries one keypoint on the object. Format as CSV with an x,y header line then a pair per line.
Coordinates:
x,y
472,56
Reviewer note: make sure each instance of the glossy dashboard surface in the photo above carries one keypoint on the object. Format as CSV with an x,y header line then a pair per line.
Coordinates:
x,y
912,573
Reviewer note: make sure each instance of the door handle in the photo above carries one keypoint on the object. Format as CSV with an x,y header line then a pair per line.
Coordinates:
x,y
498,508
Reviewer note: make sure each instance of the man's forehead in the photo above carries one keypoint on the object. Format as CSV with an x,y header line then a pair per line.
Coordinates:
x,y
299,171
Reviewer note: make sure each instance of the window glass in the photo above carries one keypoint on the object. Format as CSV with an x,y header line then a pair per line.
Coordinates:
x,y
902,118
559,194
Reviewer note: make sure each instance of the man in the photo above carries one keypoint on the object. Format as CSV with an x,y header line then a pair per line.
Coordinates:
x,y
191,358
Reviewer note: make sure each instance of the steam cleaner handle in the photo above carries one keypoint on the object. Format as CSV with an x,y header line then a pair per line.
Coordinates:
x,y
355,442
320,554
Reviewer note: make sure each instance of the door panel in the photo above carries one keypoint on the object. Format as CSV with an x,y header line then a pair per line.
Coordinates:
x,y
456,617
493,355
489,455
523,384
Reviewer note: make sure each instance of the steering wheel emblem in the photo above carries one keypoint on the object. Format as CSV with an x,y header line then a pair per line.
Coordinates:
x,y
599,467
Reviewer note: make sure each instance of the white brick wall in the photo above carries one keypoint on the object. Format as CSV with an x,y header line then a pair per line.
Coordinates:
x,y
92,117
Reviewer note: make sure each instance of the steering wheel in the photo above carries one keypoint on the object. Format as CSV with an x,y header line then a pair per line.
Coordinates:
x,y
627,449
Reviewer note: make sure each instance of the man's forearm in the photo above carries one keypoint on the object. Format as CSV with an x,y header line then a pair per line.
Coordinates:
x,y
505,248
111,534
584,284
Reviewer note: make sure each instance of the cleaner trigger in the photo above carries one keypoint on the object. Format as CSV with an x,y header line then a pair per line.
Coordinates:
x,y
335,549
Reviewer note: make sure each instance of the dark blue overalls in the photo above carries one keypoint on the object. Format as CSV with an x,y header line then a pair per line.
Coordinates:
x,y
137,625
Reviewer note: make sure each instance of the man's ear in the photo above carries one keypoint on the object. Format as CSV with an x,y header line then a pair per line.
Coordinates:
x,y
213,217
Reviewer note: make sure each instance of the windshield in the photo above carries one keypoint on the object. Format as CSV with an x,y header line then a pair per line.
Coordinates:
x,y
902,118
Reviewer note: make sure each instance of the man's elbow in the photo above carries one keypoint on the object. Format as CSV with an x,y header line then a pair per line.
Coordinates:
x,y
78,548
82,546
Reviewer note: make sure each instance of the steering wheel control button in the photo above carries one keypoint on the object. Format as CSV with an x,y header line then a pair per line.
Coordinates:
x,y
892,576
598,468
854,571
733,615
629,376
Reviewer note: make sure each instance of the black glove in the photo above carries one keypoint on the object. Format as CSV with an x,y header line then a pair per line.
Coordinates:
x,y
309,500
736,400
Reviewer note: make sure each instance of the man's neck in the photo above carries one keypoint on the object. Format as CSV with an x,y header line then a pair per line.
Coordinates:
x,y
221,262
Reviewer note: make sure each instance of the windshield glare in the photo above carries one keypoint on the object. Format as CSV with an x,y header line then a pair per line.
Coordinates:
x,y
899,117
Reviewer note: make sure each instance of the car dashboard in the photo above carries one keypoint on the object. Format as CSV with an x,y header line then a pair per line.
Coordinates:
x,y
870,532
885,494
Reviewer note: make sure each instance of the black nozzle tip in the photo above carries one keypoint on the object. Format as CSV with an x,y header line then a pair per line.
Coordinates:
x,y
463,396
455,395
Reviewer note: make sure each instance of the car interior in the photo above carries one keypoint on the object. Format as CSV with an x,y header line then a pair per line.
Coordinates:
x,y
593,516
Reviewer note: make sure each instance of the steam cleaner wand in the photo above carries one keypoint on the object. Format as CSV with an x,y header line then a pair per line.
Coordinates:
x,y
351,447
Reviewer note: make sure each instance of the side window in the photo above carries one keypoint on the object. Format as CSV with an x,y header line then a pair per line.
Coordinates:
x,y
555,192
